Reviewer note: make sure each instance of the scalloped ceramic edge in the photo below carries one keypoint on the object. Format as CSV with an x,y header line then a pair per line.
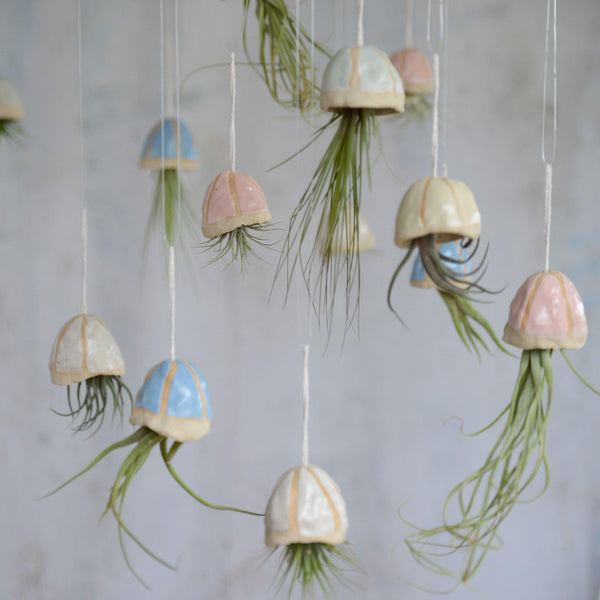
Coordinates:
x,y
176,139
340,244
84,348
173,401
306,507
415,71
547,312
362,77
232,200
11,108
436,205
419,276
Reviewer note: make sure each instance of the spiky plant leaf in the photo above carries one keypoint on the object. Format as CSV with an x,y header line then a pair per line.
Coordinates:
x,y
476,507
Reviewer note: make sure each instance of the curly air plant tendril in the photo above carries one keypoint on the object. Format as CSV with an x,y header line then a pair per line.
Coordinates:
x,y
285,54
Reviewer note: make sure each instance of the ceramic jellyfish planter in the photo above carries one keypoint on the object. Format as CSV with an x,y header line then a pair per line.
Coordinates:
x,y
414,70
86,353
346,240
546,314
454,256
175,140
11,108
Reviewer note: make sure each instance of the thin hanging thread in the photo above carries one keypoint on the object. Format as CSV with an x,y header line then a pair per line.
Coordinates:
x,y
84,233
232,88
313,72
172,299
162,109
297,56
305,402
548,160
435,133
444,68
360,38
408,37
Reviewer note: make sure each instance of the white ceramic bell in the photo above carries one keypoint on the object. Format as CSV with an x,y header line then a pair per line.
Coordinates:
x,y
11,108
342,243
305,507
84,348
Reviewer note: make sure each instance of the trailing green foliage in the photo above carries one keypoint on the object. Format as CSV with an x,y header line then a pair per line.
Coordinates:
x,y
92,397
239,245
579,375
314,567
417,108
285,54
334,191
464,315
476,507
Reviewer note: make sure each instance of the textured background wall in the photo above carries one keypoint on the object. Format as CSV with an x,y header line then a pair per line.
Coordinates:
x,y
379,407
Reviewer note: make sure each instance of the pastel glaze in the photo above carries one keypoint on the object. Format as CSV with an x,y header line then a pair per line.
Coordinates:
x,y
84,348
341,242
453,250
546,312
414,70
11,108
437,205
362,77
232,200
177,138
174,402
306,506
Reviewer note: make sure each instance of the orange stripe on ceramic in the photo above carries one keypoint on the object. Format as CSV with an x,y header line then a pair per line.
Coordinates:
x,y
415,71
546,312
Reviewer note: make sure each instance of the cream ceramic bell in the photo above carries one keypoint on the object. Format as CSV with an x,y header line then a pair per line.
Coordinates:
x,y
362,77
11,108
232,200
84,348
342,244
547,312
436,205
305,507
414,70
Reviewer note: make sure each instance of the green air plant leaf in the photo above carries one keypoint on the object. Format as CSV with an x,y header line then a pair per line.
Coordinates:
x,y
10,130
92,397
334,192
239,244
476,507
417,109
285,54
464,315
314,567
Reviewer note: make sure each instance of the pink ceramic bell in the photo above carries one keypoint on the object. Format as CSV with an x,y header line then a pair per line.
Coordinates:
x,y
415,71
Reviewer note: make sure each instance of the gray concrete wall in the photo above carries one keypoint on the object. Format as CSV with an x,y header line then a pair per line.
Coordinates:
x,y
379,407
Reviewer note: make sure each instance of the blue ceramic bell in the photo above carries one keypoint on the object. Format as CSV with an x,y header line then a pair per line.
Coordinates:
x,y
452,250
175,138
174,402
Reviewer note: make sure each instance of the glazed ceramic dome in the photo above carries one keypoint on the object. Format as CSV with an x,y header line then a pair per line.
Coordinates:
x,y
414,70
11,108
177,138
449,250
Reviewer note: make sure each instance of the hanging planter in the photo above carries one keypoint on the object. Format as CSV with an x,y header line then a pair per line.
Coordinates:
x,y
11,110
546,314
167,150
85,353
417,77
359,83
433,212
173,403
284,54
346,239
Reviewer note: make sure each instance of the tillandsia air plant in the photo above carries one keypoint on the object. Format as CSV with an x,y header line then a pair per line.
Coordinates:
x,y
546,314
435,211
415,71
306,515
85,353
285,54
11,111
174,404
464,315
168,150
359,83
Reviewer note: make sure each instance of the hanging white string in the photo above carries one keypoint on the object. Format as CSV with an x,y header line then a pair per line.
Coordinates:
x,y
408,37
162,107
548,158
84,233
360,38
445,69
435,133
172,299
232,88
305,402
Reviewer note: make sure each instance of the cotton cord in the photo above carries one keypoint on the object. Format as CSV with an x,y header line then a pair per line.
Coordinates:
x,y
445,77
162,103
172,299
177,104
408,37
232,88
84,251
435,135
305,402
360,39
548,157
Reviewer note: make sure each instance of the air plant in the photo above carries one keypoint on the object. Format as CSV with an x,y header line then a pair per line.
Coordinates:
x,y
285,54
11,111
359,83
546,314
463,313
435,211
173,403
415,71
85,353
306,515
168,150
